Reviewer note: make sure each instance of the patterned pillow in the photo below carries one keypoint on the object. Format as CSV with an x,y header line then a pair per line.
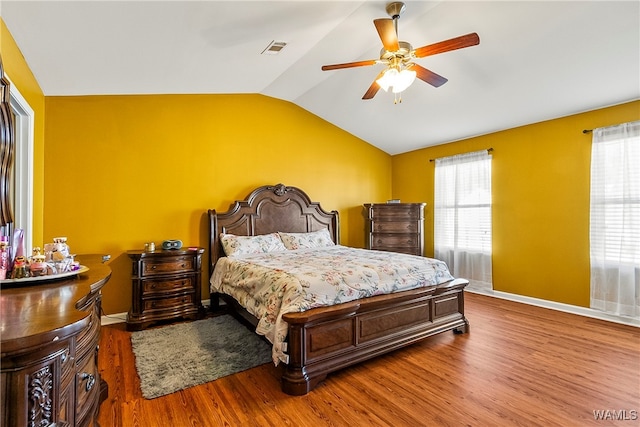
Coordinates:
x,y
314,239
245,245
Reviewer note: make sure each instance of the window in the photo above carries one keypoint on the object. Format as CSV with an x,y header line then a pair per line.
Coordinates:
x,y
462,216
615,219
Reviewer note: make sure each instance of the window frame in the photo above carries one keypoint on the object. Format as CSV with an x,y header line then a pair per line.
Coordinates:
x,y
23,164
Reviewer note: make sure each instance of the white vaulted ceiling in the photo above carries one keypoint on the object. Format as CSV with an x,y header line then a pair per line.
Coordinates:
x,y
536,60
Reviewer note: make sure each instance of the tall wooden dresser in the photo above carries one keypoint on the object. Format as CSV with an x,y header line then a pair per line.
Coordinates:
x,y
395,227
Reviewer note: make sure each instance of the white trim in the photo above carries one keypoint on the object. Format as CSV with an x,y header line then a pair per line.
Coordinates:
x,y
112,319
567,308
23,197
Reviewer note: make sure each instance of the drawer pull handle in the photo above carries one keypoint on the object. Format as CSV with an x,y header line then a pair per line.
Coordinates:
x,y
91,380
183,265
153,267
153,286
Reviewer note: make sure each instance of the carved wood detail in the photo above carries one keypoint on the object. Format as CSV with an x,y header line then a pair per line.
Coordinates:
x,y
40,405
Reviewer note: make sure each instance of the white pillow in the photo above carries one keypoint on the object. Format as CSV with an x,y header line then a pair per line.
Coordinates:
x,y
314,239
245,245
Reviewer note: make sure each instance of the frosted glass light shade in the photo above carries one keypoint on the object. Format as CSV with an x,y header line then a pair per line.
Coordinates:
x,y
398,81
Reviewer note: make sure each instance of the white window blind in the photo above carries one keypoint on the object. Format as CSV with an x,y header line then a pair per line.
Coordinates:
x,y
615,219
462,215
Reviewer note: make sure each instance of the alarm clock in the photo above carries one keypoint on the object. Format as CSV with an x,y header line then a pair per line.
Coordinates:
x,y
171,244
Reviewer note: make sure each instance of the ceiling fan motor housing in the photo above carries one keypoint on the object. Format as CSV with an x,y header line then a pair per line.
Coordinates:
x,y
395,9
403,52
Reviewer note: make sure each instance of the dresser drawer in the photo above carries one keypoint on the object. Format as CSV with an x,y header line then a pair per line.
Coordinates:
x,y
394,240
151,267
152,287
87,385
395,212
170,302
88,339
395,226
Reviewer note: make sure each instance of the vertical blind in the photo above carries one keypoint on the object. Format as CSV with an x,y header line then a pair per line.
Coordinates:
x,y
615,219
462,215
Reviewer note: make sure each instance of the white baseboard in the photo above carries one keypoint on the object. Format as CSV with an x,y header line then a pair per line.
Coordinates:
x,y
111,319
567,308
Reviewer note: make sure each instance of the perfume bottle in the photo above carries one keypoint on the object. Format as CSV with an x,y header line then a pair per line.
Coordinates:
x,y
4,257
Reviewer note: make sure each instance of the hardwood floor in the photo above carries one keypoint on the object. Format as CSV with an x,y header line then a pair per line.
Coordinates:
x,y
519,365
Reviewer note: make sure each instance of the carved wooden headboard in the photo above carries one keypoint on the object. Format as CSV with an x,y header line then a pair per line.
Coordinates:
x,y
270,209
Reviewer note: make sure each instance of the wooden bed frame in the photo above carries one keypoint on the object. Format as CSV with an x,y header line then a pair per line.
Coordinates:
x,y
323,340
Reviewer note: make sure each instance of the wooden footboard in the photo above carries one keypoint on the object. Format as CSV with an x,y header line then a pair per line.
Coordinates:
x,y
324,340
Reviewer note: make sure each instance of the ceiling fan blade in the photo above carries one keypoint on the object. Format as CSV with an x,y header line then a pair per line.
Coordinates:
x,y
374,88
387,32
349,65
428,76
467,40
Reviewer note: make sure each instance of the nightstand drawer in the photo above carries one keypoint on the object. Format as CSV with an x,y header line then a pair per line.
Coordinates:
x,y
154,287
169,303
159,266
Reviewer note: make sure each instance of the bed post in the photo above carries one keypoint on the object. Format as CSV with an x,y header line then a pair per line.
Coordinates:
x,y
295,380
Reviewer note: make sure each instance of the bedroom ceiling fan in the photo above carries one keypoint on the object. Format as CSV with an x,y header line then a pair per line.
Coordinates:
x,y
399,56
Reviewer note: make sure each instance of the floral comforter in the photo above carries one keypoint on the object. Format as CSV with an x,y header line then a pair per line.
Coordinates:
x,y
271,284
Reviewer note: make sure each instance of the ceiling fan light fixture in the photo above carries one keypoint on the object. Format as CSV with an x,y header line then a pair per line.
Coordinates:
x,y
398,81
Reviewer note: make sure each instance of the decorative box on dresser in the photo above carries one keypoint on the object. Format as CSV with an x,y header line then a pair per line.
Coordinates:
x,y
50,336
166,286
395,227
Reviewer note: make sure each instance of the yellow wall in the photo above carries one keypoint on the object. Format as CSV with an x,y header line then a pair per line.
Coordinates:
x,y
18,71
540,180
108,188
125,170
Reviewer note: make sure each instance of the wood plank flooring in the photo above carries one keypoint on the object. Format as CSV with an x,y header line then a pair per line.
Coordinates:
x,y
519,365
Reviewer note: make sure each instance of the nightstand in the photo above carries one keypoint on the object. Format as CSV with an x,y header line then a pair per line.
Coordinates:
x,y
166,285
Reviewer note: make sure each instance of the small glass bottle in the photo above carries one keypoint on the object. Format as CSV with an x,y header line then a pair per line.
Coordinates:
x,y
4,257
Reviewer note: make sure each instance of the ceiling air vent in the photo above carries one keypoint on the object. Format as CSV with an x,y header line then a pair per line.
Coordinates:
x,y
274,48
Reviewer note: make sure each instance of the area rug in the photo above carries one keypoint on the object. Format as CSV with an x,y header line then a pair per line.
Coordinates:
x,y
179,356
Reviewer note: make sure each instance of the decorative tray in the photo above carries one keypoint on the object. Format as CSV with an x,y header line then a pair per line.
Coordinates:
x,y
48,278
